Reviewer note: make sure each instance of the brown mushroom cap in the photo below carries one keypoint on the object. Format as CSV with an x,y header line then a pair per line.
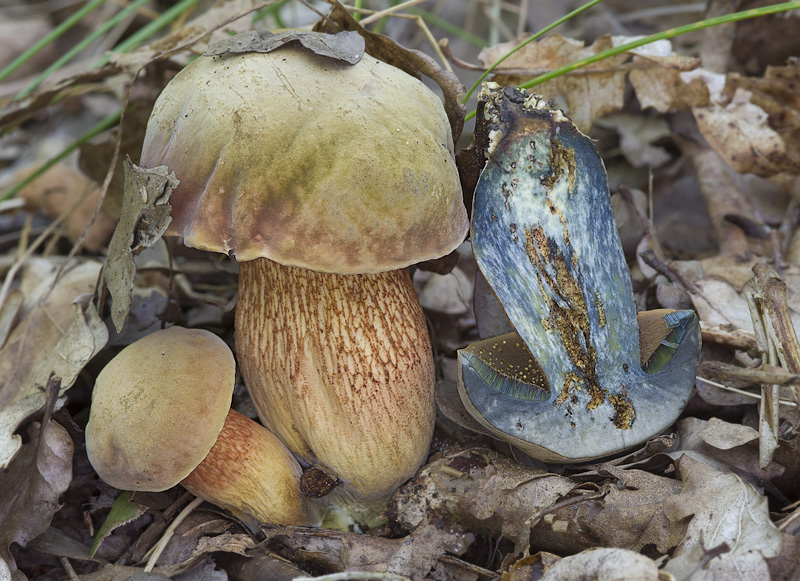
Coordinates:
x,y
308,161
158,407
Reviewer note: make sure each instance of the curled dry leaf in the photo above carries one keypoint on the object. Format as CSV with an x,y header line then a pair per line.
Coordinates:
x,y
42,318
585,95
81,340
31,487
631,514
55,335
740,132
57,191
723,510
345,46
145,217
414,556
606,564
480,491
665,89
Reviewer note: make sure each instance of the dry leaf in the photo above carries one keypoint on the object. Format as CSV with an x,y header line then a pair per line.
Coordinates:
x,y
145,217
741,134
480,491
605,564
666,89
723,510
81,340
344,46
43,318
631,516
590,93
413,556
56,191
31,487
637,133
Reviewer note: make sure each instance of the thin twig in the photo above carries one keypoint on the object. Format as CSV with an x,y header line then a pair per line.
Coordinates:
x,y
168,534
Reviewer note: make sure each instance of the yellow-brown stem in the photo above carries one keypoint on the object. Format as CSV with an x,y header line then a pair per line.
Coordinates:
x,y
340,369
252,474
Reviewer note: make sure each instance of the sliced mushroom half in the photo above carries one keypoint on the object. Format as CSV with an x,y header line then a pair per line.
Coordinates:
x,y
583,376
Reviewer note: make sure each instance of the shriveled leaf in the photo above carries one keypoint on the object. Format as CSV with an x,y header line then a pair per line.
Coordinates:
x,y
227,542
82,339
31,487
724,435
631,516
723,510
776,93
413,556
122,512
63,189
585,95
43,316
145,217
741,134
481,491
637,135
344,46
606,564
666,89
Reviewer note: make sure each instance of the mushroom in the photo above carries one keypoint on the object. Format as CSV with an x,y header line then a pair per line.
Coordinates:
x,y
160,416
576,381
325,180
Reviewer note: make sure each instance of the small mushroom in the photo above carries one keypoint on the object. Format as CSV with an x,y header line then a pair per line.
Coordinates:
x,y
161,416
325,180
583,377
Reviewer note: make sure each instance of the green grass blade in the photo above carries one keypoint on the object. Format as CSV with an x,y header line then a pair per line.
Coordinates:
x,y
542,32
149,30
274,11
96,129
67,56
667,34
448,27
50,37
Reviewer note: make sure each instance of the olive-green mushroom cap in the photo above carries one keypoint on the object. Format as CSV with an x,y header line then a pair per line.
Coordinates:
x,y
308,161
158,407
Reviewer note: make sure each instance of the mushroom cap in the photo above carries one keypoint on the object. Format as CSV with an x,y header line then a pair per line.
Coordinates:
x,y
308,161
158,407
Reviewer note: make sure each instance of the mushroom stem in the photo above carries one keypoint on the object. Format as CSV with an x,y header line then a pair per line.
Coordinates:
x,y
251,473
340,369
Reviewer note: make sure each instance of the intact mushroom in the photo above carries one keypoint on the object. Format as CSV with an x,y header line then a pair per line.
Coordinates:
x,y
583,377
325,180
161,416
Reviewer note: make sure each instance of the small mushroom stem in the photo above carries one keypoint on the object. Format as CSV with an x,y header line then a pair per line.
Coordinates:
x,y
340,369
251,473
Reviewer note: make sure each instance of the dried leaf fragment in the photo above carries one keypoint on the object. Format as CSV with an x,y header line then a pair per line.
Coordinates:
x,y
85,336
345,46
145,217
30,489
741,134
